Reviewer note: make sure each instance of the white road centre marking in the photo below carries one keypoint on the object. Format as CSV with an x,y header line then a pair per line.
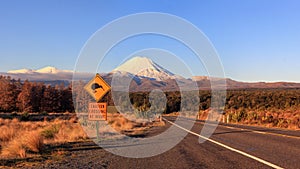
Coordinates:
x,y
228,147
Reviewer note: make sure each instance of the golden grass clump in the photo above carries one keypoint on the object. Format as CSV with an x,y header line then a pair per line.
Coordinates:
x,y
29,126
69,132
7,133
21,139
33,141
6,121
22,143
73,120
121,123
14,148
78,133
15,121
1,121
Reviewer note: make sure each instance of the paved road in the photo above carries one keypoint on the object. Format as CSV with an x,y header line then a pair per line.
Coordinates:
x,y
277,147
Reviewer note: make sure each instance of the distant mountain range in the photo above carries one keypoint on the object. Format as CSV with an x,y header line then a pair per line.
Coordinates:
x,y
145,75
48,74
45,70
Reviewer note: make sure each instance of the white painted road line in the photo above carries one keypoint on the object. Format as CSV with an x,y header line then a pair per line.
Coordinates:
x,y
228,147
262,132
255,131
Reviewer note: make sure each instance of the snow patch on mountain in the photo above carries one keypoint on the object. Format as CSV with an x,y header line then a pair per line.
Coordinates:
x,y
21,71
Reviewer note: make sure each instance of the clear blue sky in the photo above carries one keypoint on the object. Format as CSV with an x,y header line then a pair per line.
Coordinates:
x,y
257,40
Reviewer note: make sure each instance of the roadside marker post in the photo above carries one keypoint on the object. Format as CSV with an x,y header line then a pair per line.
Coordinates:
x,y
97,88
227,118
223,118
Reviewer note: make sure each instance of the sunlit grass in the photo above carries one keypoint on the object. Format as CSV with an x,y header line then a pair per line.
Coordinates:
x,y
22,139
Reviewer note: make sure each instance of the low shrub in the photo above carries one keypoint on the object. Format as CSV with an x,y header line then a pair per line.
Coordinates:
x,y
50,131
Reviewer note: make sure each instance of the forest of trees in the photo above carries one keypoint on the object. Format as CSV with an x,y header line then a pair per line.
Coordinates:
x,y
17,96
249,99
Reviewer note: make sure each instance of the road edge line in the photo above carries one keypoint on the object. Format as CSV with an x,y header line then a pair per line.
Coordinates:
x,y
228,147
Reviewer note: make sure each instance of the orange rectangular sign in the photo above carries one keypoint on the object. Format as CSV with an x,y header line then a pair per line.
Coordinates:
x,y
97,111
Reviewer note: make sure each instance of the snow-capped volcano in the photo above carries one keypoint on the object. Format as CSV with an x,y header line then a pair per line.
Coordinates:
x,y
145,67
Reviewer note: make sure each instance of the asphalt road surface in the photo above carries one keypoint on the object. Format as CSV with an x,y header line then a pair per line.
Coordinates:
x,y
230,146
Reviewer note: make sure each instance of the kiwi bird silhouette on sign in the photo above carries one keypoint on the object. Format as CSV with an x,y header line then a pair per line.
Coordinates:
x,y
96,86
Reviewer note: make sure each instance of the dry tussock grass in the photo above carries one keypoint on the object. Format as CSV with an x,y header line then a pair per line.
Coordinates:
x,y
18,139
22,143
29,126
68,132
159,123
131,127
23,139
6,133
121,123
14,149
15,120
73,120
33,141
1,121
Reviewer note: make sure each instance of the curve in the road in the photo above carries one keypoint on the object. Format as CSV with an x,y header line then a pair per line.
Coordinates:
x,y
228,147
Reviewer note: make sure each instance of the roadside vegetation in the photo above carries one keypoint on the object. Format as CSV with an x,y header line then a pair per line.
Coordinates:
x,y
17,96
28,138
289,118
266,107
269,107
20,139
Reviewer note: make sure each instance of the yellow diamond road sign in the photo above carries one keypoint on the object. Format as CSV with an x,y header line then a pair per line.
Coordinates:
x,y
97,87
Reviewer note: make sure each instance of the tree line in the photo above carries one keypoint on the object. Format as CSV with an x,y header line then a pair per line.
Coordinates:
x,y
17,96
248,99
37,97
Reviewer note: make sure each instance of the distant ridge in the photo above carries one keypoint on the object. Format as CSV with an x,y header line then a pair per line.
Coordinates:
x,y
46,74
47,69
